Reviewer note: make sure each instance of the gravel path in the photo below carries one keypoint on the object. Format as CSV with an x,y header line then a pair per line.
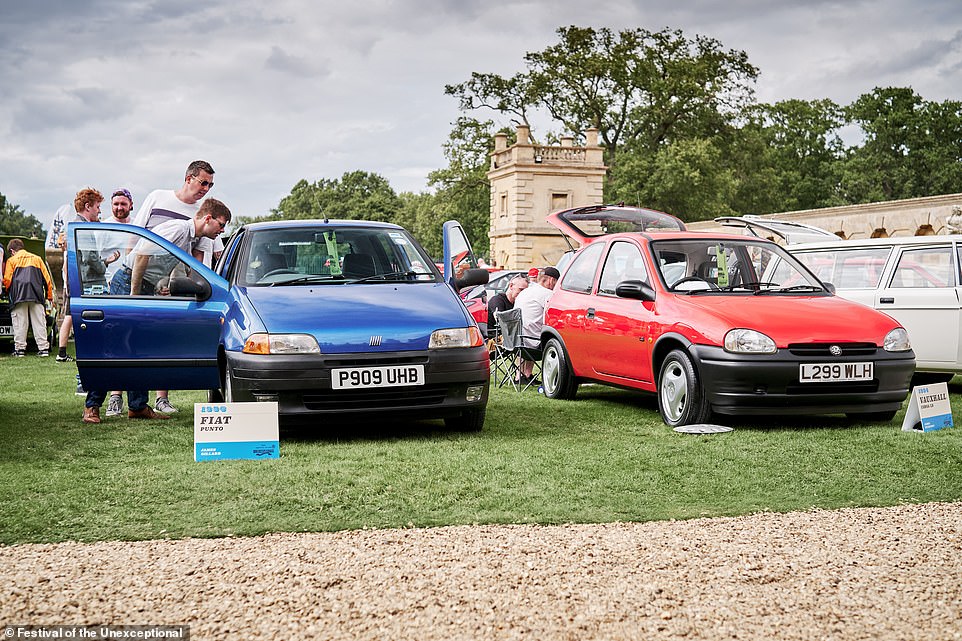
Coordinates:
x,y
892,573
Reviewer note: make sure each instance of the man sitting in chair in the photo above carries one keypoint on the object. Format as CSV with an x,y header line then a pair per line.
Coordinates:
x,y
532,302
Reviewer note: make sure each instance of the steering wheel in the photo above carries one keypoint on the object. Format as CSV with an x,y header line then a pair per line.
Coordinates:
x,y
282,270
693,279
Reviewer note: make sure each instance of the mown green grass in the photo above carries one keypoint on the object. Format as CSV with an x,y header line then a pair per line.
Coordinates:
x,y
603,457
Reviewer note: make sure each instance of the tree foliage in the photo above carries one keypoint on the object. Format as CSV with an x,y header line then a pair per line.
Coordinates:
x,y
640,89
15,222
357,195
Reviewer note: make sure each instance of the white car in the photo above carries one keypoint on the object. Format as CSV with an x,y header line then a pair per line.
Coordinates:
x,y
914,279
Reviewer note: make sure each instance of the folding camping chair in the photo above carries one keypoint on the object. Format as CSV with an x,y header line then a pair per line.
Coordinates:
x,y
511,349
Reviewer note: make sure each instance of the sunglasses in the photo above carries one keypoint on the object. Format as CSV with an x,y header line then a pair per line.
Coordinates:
x,y
204,183
222,223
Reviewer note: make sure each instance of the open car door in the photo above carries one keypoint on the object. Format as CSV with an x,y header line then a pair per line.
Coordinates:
x,y
460,264
166,335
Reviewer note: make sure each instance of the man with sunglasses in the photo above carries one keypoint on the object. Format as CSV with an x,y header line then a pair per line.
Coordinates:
x,y
163,205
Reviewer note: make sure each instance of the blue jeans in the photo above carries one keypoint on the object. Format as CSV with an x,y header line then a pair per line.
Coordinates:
x,y
136,399
120,284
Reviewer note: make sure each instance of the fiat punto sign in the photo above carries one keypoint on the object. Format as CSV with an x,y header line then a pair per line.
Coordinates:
x,y
229,431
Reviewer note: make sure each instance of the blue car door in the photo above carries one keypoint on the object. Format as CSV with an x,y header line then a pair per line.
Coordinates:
x,y
166,335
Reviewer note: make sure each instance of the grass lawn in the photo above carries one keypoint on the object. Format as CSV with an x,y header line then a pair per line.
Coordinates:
x,y
603,457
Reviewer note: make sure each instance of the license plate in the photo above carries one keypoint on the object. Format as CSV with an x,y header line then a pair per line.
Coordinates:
x,y
835,372
390,376
6,330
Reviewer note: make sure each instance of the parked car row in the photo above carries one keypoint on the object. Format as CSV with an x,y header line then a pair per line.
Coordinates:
x,y
352,317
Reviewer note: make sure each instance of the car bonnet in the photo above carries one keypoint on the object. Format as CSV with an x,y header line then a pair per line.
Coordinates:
x,y
787,318
365,317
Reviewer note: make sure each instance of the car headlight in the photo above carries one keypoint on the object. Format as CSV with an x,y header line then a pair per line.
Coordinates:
x,y
281,344
456,337
748,341
897,341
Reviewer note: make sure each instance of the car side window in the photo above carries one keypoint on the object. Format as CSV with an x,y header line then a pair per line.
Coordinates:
x,y
581,274
137,258
854,268
624,262
924,268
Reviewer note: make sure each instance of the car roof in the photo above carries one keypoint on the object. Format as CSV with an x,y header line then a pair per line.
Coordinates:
x,y
315,222
892,241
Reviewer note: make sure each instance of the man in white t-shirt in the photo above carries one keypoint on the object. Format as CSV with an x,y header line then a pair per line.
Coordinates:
x,y
532,302
163,205
148,265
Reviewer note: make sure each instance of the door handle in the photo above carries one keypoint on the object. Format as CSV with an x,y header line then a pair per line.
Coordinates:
x,y
92,314
886,299
591,312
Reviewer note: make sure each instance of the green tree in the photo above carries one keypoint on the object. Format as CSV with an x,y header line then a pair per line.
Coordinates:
x,y
804,152
15,222
912,147
640,89
685,178
463,191
357,195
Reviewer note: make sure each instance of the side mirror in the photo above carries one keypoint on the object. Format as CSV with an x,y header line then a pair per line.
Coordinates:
x,y
636,289
830,287
187,287
472,277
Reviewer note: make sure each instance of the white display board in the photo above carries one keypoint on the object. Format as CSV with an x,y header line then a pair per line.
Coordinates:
x,y
929,409
231,431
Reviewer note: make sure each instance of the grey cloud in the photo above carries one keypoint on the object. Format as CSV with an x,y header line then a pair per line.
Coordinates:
x,y
69,109
281,61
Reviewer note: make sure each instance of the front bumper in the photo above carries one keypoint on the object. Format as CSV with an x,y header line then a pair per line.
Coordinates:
x,y
301,384
741,384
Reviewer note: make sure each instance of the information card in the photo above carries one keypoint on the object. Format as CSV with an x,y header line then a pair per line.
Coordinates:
x,y
929,409
230,431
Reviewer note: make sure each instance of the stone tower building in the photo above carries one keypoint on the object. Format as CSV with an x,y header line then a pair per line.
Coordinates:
x,y
530,181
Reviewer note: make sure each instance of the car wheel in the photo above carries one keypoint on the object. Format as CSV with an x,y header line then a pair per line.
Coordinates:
x,y
681,397
466,421
556,375
872,417
215,396
227,385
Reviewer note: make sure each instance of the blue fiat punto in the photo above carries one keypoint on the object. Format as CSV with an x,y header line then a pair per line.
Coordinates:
x,y
323,317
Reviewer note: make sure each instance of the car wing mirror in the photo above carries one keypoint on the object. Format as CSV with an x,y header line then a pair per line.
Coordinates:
x,y
188,287
829,287
637,289
472,277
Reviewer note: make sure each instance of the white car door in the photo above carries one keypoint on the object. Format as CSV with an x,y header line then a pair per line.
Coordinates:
x,y
922,292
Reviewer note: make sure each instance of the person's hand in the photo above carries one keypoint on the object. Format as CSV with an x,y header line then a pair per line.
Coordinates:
x,y
113,257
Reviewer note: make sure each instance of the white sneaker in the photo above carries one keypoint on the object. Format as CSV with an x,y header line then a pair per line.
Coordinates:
x,y
163,405
115,406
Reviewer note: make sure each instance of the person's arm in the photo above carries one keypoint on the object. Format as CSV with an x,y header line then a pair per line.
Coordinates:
x,y
137,273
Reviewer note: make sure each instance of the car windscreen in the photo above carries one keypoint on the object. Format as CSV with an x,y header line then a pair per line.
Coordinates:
x,y
712,265
335,255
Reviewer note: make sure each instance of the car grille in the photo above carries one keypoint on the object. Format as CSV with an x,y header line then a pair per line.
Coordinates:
x,y
333,361
851,387
376,398
821,350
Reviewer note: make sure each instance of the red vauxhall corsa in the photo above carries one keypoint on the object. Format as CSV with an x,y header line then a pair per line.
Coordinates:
x,y
713,324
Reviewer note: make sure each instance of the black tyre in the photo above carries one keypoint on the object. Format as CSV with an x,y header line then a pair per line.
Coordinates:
x,y
467,421
556,376
681,397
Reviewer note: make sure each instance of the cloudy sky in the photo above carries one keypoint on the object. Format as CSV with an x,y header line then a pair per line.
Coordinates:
x,y
109,93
